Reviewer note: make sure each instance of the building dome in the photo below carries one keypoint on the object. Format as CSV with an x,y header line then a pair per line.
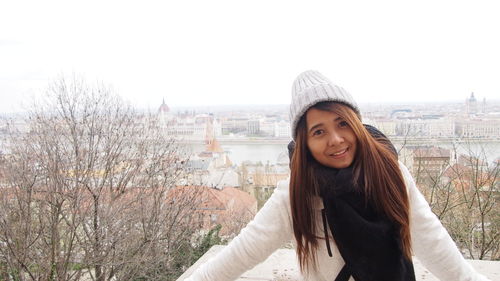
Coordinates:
x,y
472,97
471,104
164,108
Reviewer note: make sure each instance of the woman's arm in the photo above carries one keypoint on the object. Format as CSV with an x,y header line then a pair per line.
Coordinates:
x,y
261,237
431,243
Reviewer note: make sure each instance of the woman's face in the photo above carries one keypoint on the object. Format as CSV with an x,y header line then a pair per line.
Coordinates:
x,y
330,139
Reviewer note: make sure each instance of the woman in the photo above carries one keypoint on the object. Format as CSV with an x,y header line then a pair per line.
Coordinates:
x,y
352,211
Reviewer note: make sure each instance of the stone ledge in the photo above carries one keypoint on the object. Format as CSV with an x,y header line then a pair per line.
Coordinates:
x,y
281,266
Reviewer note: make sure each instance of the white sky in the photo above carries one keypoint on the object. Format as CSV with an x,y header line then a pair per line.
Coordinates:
x,y
249,52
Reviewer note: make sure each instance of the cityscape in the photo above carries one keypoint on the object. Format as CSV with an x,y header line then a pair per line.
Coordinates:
x,y
222,139
468,119
138,140
234,156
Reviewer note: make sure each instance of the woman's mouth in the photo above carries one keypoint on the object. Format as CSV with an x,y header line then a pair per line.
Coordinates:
x,y
339,153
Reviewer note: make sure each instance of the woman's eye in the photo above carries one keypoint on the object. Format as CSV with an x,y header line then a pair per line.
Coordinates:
x,y
343,124
317,132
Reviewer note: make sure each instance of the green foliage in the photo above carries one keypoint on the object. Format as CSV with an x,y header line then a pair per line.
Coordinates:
x,y
262,195
184,257
207,241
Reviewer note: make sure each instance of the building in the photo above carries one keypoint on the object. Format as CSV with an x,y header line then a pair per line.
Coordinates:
x,y
229,207
412,128
428,163
234,125
431,127
478,128
253,127
441,128
164,114
471,107
211,167
266,174
282,129
386,126
473,178
267,127
193,126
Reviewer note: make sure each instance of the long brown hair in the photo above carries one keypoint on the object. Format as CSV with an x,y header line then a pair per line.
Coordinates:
x,y
374,161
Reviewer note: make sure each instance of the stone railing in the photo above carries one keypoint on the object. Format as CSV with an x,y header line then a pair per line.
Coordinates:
x,y
282,266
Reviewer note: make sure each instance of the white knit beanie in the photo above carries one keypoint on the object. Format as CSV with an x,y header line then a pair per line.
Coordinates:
x,y
310,88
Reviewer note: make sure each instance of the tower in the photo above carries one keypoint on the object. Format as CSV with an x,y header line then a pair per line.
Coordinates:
x,y
471,105
164,114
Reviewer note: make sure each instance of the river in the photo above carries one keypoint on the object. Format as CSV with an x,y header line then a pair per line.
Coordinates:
x,y
259,151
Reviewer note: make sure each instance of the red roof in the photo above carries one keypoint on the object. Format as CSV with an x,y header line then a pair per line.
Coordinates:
x,y
229,207
434,152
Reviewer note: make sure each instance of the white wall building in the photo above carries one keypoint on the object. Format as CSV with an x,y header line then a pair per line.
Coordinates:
x,y
430,128
267,127
386,126
441,128
478,128
412,128
194,126
282,129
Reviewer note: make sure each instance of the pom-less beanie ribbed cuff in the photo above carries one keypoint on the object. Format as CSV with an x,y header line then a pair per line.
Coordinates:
x,y
310,88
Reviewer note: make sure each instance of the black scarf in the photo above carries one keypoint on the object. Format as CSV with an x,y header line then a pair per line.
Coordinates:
x,y
367,240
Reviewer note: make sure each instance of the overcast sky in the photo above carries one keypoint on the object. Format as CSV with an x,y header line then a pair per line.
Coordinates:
x,y
249,52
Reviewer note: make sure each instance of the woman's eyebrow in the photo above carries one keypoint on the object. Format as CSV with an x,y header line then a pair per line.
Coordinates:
x,y
321,124
315,126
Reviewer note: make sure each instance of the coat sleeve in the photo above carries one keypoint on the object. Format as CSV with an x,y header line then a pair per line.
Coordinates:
x,y
431,243
269,230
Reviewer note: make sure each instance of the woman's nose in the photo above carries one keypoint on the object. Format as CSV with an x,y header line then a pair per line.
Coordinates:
x,y
335,139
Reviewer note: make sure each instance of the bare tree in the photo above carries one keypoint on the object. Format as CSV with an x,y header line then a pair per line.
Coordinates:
x,y
475,222
465,195
87,191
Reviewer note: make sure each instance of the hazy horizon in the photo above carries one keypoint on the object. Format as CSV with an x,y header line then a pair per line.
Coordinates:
x,y
247,107
249,52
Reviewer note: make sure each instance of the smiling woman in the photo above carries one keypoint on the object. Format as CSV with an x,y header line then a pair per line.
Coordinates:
x,y
351,209
330,138
344,163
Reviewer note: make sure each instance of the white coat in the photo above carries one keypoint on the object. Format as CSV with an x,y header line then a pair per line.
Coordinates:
x,y
272,227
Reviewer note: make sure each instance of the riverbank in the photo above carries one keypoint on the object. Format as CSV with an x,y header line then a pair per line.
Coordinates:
x,y
262,140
